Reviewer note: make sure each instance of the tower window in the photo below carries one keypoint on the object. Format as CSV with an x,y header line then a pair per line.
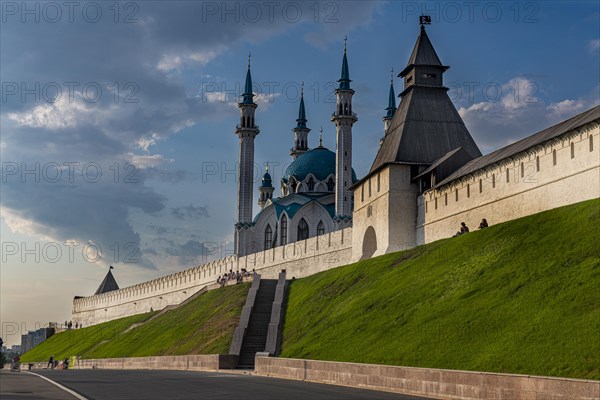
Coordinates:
x,y
283,226
507,175
311,184
302,230
369,188
591,141
456,194
572,149
468,190
378,181
493,180
362,193
553,157
435,203
268,237
320,228
446,199
537,163
480,186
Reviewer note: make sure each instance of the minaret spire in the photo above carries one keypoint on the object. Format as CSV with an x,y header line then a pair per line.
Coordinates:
x,y
300,131
248,96
345,78
391,108
246,131
343,118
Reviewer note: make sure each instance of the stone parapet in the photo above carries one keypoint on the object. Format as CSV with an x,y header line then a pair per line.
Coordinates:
x,y
430,382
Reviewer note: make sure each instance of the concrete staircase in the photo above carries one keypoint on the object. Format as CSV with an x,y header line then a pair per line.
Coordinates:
x,y
258,325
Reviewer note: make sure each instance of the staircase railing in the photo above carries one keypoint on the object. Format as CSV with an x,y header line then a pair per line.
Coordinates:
x,y
273,346
240,330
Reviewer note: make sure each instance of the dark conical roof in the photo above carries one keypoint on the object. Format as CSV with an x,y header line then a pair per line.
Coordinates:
x,y
391,108
345,78
423,54
108,284
426,125
248,95
301,121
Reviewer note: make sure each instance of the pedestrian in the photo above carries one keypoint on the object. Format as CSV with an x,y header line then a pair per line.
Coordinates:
x,y
51,362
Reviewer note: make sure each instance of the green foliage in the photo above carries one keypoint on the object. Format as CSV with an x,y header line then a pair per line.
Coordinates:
x,y
519,297
203,326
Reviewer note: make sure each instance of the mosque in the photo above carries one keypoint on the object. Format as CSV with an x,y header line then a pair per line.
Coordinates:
x,y
315,188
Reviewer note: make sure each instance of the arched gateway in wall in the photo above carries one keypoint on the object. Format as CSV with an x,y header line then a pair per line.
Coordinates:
x,y
369,246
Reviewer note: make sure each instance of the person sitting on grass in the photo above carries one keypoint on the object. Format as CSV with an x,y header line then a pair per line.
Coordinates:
x,y
463,229
483,224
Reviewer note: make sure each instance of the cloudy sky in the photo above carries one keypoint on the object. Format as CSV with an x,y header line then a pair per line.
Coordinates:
x,y
117,119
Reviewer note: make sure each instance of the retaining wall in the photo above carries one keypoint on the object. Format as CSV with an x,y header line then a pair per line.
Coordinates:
x,y
436,383
201,362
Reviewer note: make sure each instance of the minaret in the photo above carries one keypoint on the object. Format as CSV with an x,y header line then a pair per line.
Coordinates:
x,y
246,131
343,118
265,190
300,131
391,108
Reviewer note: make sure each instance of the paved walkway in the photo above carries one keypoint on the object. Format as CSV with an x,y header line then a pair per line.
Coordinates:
x,y
25,386
175,385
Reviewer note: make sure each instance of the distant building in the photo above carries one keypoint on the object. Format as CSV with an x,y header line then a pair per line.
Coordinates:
x,y
33,338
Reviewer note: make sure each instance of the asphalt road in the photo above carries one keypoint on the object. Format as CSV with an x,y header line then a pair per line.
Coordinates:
x,y
174,385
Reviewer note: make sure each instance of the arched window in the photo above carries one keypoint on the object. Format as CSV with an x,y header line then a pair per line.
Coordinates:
x,y
293,184
330,185
268,237
302,230
320,228
311,184
283,226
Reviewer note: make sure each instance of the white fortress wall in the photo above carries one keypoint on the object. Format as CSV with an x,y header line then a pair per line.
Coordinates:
x,y
561,171
299,259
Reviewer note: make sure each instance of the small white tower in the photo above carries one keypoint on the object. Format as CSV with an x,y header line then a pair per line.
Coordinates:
x,y
265,190
343,118
247,131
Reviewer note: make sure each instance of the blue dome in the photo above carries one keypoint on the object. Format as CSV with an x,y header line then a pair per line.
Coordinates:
x,y
319,161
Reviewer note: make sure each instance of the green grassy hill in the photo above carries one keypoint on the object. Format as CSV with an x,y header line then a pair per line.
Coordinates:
x,y
520,297
203,326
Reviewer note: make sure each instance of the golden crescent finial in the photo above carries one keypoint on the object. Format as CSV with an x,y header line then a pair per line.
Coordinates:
x,y
321,137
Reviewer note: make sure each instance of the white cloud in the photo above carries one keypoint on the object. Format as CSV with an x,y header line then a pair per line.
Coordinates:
x,y
61,114
145,142
566,108
172,62
594,46
17,223
147,161
515,114
168,63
